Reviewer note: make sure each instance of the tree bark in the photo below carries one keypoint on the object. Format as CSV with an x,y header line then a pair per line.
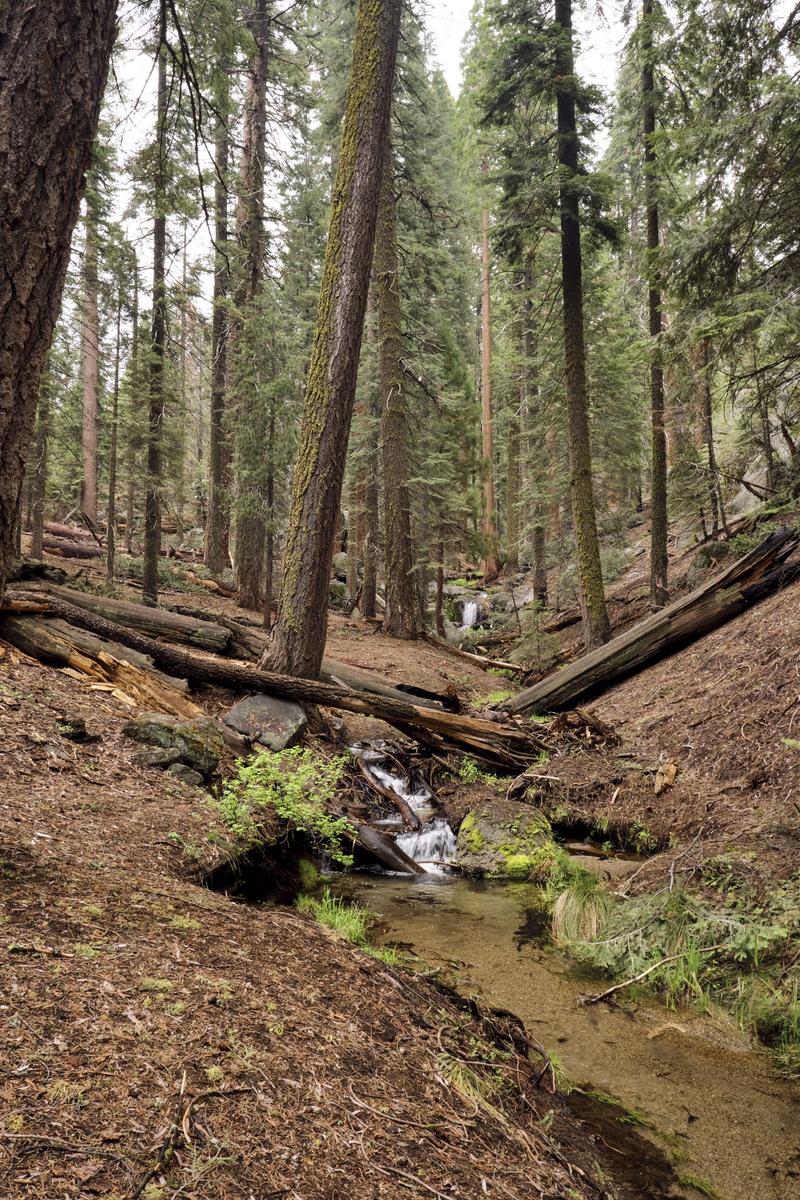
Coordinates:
x,y
298,638
595,617
158,336
488,526
53,62
40,460
659,562
90,360
111,533
251,522
130,463
217,553
400,616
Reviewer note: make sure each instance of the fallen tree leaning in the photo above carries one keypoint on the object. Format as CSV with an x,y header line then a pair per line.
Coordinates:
x,y
744,583
506,745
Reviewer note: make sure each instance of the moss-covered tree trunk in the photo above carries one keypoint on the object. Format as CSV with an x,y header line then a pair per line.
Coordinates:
x,y
298,638
400,618
217,554
158,334
251,504
488,523
596,628
54,57
659,593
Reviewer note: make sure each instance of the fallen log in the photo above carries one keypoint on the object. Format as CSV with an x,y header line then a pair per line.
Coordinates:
x,y
211,585
70,533
477,660
506,745
57,545
155,622
744,583
410,818
379,846
31,568
129,673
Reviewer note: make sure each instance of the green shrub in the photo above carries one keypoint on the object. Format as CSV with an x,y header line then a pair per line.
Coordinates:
x,y
296,787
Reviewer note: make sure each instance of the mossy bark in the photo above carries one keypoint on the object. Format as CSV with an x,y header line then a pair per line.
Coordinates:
x,y
252,467
596,628
400,618
298,638
658,523
158,335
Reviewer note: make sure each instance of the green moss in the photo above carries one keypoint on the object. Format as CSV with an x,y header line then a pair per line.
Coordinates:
x,y
474,839
309,875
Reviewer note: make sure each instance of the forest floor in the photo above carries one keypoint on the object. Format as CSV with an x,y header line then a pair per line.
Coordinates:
x,y
161,1040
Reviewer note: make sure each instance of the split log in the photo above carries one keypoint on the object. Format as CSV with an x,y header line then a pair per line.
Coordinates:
x,y
155,622
212,585
744,583
506,745
85,549
128,672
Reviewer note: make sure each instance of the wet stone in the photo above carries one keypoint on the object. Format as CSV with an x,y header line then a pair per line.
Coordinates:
x,y
268,721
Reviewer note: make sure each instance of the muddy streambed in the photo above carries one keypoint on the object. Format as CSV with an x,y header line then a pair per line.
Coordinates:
x,y
718,1113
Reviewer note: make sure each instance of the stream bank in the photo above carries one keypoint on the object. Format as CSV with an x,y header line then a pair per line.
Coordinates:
x,y
710,1102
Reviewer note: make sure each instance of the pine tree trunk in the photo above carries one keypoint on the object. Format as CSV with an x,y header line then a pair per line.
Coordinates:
x,y
40,457
488,528
269,551
400,618
53,62
716,501
441,629
111,517
217,553
535,457
251,524
659,562
158,337
298,638
130,463
512,492
90,363
596,628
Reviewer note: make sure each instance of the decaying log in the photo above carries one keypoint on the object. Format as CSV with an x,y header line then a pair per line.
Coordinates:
x,y
155,622
128,672
744,583
85,549
379,846
506,745
32,568
212,585
70,533
477,660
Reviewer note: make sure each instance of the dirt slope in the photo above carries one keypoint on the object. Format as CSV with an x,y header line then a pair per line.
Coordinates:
x,y
159,1040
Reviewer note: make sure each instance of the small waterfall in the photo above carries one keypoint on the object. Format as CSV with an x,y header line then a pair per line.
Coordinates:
x,y
469,614
434,844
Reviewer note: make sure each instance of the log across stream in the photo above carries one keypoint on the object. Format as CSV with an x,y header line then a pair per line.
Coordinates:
x,y
718,1113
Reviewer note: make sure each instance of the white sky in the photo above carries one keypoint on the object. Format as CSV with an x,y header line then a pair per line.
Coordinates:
x,y
601,35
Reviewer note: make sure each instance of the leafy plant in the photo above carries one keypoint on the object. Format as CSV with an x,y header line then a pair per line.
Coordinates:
x,y
296,787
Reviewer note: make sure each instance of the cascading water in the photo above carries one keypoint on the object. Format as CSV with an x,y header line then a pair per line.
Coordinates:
x,y
469,614
433,846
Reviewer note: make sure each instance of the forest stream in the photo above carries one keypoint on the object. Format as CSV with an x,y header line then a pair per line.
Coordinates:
x,y
709,1102
683,1100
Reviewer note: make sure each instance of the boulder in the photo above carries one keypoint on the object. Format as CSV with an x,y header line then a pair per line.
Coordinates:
x,y
339,565
267,721
503,840
197,743
186,774
156,758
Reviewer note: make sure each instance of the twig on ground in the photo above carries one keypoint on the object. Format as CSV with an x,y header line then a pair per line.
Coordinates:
x,y
618,987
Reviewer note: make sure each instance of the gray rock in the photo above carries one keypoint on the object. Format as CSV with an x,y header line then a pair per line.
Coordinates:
x,y
340,565
268,721
186,774
156,758
197,743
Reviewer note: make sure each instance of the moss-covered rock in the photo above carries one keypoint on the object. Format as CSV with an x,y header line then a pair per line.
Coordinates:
x,y
197,743
502,840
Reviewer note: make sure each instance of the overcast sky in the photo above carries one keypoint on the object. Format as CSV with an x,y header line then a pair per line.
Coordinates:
x,y
600,39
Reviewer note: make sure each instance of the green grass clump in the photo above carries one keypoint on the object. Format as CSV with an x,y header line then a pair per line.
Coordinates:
x,y
350,921
296,787
581,910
